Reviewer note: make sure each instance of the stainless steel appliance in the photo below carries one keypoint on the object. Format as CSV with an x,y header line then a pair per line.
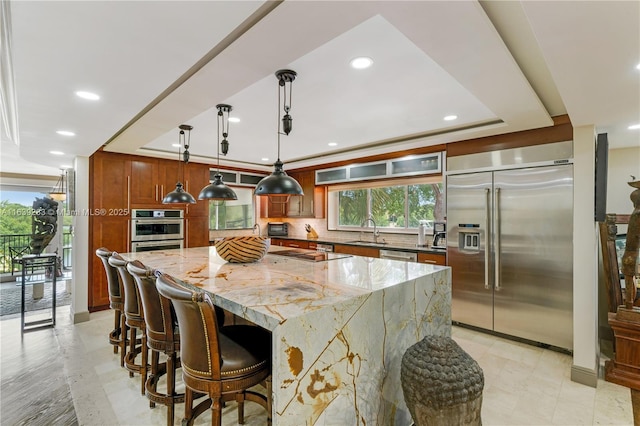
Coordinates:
x,y
156,229
509,245
439,235
277,229
324,247
398,255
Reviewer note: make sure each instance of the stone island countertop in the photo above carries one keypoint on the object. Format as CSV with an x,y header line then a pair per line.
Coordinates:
x,y
339,327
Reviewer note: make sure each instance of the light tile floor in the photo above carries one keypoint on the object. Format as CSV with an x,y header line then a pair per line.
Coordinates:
x,y
524,385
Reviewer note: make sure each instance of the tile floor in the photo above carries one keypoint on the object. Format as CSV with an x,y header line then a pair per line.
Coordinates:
x,y
524,385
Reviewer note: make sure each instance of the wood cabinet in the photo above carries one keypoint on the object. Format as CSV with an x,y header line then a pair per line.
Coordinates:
x,y
152,179
283,242
196,178
357,250
432,258
196,231
119,183
112,233
311,204
109,181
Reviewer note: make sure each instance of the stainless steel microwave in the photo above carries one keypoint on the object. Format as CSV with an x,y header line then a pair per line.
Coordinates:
x,y
278,229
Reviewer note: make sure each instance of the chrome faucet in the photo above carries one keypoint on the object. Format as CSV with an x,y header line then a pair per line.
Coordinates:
x,y
376,233
257,225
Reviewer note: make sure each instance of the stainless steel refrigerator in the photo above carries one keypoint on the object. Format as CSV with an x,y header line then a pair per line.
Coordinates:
x,y
509,245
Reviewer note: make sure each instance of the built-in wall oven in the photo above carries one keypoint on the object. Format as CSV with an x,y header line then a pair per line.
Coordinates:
x,y
156,229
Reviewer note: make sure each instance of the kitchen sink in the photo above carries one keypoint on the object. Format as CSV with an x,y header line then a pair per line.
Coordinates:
x,y
366,243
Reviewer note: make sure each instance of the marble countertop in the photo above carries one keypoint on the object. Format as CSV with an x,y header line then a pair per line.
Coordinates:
x,y
277,288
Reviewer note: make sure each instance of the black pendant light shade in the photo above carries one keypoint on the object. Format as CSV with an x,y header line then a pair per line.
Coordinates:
x,y
179,195
217,190
278,185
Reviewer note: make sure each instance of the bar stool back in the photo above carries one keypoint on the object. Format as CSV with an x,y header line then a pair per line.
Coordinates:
x,y
134,314
117,336
223,364
162,336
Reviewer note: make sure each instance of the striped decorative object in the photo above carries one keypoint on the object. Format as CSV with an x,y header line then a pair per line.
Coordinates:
x,y
242,249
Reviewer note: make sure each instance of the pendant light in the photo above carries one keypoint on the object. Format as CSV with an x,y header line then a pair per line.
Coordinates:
x,y
58,193
179,195
278,185
217,190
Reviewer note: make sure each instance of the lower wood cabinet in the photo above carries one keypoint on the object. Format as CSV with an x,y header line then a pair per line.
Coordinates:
x,y
357,250
283,242
433,258
110,232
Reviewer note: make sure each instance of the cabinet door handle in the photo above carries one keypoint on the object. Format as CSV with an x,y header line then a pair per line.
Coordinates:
x,y
156,192
294,245
128,192
429,261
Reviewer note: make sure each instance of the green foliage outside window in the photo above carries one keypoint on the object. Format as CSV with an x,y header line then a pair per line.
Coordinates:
x,y
399,206
14,218
236,214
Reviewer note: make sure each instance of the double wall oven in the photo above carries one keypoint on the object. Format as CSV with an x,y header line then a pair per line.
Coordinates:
x,y
156,230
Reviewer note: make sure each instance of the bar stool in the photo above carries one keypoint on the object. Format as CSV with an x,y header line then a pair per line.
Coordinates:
x,y
118,336
134,318
162,336
223,363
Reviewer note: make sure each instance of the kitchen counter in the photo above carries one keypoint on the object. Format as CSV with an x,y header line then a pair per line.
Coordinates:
x,y
339,327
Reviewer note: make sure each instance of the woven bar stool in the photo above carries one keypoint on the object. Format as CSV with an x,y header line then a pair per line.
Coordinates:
x,y
134,318
162,336
223,363
118,336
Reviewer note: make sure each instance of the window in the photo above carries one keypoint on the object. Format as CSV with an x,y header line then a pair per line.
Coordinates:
x,y
397,207
236,214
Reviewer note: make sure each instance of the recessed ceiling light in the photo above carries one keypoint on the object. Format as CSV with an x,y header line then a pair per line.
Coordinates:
x,y
176,145
234,120
634,127
450,117
638,67
265,159
56,152
65,133
361,62
66,166
333,144
87,95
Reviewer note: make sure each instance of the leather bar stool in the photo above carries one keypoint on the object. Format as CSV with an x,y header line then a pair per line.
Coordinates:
x,y
118,336
222,363
162,336
134,318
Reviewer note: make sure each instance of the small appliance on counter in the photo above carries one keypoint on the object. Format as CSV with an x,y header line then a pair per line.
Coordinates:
x,y
439,235
277,229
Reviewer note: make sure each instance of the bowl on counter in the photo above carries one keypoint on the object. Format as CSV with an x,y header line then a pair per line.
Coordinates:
x,y
246,249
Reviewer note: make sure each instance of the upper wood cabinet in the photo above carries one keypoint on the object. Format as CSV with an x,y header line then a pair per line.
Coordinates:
x,y
311,204
109,181
196,178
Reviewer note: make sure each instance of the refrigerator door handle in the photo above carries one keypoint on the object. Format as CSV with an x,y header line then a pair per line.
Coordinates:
x,y
487,233
496,241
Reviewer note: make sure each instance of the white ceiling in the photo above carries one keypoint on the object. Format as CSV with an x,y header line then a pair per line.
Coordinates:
x,y
499,66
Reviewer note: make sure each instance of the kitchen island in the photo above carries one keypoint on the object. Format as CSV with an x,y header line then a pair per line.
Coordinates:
x,y
339,326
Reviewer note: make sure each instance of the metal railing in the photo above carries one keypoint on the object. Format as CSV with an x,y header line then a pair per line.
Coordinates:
x,y
18,241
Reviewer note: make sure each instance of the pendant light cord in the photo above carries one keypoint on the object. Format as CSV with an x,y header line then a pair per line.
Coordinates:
x,y
180,142
218,136
279,94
